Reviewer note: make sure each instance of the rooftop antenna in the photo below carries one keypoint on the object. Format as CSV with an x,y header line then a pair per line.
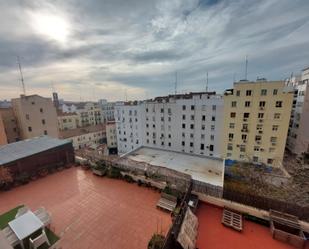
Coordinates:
x,y
21,76
207,81
246,72
176,79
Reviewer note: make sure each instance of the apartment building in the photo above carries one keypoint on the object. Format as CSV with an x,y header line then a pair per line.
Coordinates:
x,y
89,136
36,116
298,135
89,113
10,124
111,135
67,121
3,138
190,123
129,125
256,121
108,109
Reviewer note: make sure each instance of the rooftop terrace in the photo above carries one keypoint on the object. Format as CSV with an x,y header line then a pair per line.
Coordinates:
x,y
92,212
200,168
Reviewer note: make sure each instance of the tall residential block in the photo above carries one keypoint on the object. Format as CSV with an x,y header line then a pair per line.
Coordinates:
x,y
256,121
3,138
10,124
190,123
36,116
298,136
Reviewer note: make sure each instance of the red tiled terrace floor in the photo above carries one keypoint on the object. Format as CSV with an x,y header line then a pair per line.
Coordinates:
x,y
93,212
214,235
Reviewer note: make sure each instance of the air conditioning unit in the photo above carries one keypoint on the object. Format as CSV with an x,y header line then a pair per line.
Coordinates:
x,y
237,145
260,132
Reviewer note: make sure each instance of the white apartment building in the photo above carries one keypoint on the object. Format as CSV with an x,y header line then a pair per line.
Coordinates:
x,y
130,125
298,135
108,109
190,123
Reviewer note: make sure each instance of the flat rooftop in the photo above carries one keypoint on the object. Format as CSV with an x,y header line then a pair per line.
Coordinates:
x,y
200,168
212,234
92,212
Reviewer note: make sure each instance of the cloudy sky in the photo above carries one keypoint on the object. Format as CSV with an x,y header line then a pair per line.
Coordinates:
x,y
91,49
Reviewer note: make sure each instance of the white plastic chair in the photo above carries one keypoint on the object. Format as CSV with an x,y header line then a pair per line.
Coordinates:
x,y
7,231
12,239
46,219
39,211
21,211
38,241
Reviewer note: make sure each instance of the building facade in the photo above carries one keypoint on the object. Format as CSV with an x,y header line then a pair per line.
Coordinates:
x,y
67,121
129,125
10,124
111,135
36,116
298,136
3,138
256,121
190,123
90,136
108,109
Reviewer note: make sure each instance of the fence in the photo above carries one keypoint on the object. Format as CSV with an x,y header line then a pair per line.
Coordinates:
x,y
206,188
302,212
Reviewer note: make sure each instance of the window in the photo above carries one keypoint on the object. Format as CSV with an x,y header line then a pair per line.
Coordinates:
x,y
183,143
278,103
153,126
248,93
246,115
212,127
256,148
213,118
162,143
169,144
262,103
244,137
191,126
43,121
183,117
41,110
169,111
30,128
169,119
275,91
211,147
242,148
264,92
232,125
183,134
277,116
275,127
202,136
214,107
202,146
162,110
231,136
255,159
258,138
183,107
162,118
234,104
192,117
203,107
192,107
269,161
273,139
212,137
233,114
203,127
203,117
146,109
229,146
191,135
45,132
247,104
27,116
191,144
237,93
183,126
261,115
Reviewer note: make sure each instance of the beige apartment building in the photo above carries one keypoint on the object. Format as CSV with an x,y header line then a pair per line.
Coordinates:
x,y
256,121
36,116
67,121
111,135
10,124
3,138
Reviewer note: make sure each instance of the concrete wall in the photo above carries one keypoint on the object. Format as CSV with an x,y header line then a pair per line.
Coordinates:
x,y
3,138
10,124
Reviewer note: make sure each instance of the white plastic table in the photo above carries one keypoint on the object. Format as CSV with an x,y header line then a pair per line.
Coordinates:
x,y
25,225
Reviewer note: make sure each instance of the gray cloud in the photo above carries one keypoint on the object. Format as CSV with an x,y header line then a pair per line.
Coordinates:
x,y
139,45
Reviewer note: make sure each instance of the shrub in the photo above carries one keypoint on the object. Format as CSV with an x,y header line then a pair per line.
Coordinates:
x,y
114,173
128,178
156,241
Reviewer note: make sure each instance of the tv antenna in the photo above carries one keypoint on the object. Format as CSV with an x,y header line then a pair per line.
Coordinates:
x,y
207,81
176,79
246,70
21,76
